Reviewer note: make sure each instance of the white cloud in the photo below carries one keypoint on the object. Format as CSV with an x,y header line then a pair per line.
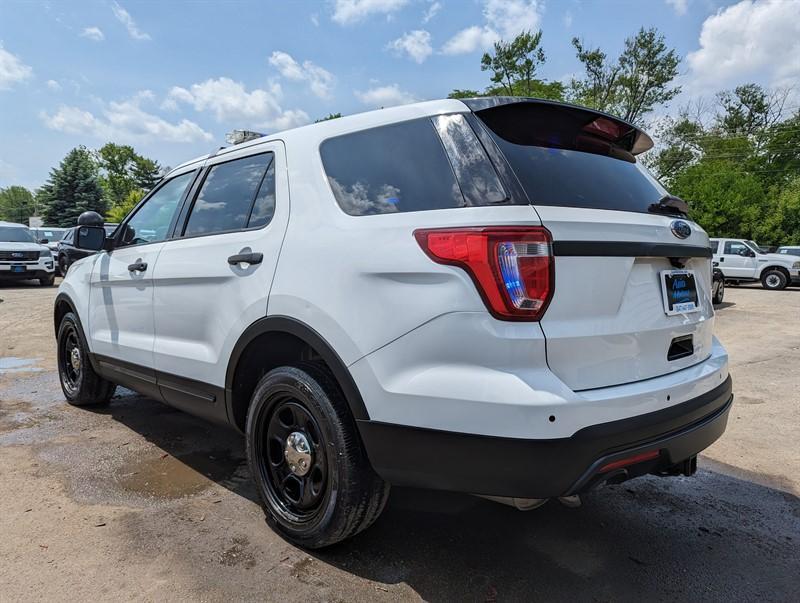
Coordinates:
x,y
568,19
230,102
53,85
125,18
315,19
12,69
679,6
432,11
347,12
416,44
747,41
93,33
124,121
319,80
385,96
504,19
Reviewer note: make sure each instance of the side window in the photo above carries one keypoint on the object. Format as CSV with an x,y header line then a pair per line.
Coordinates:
x,y
396,168
235,195
714,246
68,237
733,248
151,221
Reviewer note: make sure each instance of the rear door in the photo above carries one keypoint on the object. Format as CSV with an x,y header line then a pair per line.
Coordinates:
x,y
213,279
607,323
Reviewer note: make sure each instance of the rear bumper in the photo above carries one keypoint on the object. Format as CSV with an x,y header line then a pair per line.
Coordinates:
x,y
542,468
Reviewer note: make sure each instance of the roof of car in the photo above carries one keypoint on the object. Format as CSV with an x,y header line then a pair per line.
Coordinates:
x,y
370,119
12,224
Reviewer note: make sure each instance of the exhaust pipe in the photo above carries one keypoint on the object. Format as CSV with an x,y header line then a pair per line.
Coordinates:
x,y
521,504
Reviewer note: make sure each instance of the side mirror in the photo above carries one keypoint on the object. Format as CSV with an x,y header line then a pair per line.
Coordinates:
x,y
43,241
91,238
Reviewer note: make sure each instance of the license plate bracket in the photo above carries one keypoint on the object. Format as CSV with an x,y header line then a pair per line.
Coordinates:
x,y
679,289
16,268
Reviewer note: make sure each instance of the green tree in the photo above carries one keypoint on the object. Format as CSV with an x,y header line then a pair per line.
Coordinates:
x,y
724,200
634,84
513,64
16,204
72,188
466,93
123,170
329,116
119,211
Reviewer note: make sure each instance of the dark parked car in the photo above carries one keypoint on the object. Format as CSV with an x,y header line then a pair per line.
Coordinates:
x,y
68,253
718,285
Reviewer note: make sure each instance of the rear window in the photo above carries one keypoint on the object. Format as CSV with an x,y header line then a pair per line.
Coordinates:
x,y
560,160
404,167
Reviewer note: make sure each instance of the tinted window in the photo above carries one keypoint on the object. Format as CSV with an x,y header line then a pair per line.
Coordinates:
x,y
714,246
561,159
152,220
475,174
68,237
396,168
732,247
264,207
228,196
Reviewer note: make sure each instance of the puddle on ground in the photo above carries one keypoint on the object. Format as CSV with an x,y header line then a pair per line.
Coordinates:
x,y
177,476
12,364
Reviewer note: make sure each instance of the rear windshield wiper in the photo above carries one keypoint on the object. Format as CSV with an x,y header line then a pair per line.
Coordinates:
x,y
670,205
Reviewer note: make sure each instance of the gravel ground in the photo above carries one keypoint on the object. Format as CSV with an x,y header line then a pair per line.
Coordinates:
x,y
141,502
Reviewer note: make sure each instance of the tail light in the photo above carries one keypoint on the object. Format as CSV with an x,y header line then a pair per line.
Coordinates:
x,y
511,266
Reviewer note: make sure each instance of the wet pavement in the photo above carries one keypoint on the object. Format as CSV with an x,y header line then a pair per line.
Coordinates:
x,y
140,501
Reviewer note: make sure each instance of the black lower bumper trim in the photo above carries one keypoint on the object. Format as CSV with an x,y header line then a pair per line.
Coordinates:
x,y
443,460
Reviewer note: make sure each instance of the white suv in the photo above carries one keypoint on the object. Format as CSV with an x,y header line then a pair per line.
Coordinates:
x,y
489,296
22,257
742,260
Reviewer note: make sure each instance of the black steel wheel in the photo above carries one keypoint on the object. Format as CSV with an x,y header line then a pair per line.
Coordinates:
x,y
305,454
294,451
79,382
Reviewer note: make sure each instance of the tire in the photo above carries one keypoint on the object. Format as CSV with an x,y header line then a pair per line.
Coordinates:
x,y
48,281
719,293
80,384
774,279
339,494
63,265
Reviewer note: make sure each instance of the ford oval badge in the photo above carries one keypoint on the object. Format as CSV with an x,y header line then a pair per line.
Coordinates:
x,y
680,229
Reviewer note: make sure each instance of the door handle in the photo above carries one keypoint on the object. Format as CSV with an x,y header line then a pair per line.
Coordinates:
x,y
245,258
721,259
137,266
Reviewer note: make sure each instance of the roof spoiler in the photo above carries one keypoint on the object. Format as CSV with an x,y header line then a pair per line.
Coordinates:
x,y
599,124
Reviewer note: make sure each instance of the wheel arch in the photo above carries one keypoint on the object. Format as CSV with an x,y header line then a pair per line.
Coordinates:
x,y
284,340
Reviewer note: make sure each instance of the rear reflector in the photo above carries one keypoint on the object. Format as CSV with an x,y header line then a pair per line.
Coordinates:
x,y
631,460
511,266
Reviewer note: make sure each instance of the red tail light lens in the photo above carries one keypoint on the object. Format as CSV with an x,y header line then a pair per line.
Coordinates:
x,y
511,266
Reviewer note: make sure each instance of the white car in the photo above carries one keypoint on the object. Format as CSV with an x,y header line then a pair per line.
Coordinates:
x,y
487,296
22,258
742,261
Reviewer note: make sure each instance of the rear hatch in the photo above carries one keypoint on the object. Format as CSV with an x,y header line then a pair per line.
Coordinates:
x,y
607,323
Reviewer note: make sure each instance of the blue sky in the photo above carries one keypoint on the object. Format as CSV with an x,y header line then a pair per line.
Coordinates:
x,y
171,78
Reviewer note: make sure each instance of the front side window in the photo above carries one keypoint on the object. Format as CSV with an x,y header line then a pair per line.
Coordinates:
x,y
754,247
152,220
235,195
734,247
715,246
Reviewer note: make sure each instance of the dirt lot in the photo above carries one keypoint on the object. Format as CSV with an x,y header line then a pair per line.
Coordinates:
x,y
138,501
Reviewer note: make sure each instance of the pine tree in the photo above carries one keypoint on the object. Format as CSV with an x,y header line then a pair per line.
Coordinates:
x,y
72,189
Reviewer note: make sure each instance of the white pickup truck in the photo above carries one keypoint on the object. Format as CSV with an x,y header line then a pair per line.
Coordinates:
x,y
742,260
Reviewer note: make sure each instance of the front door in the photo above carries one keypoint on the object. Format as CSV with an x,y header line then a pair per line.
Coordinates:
x,y
121,323
213,279
733,264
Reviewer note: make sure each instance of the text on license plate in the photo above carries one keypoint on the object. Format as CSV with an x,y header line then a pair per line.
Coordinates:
x,y
680,291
